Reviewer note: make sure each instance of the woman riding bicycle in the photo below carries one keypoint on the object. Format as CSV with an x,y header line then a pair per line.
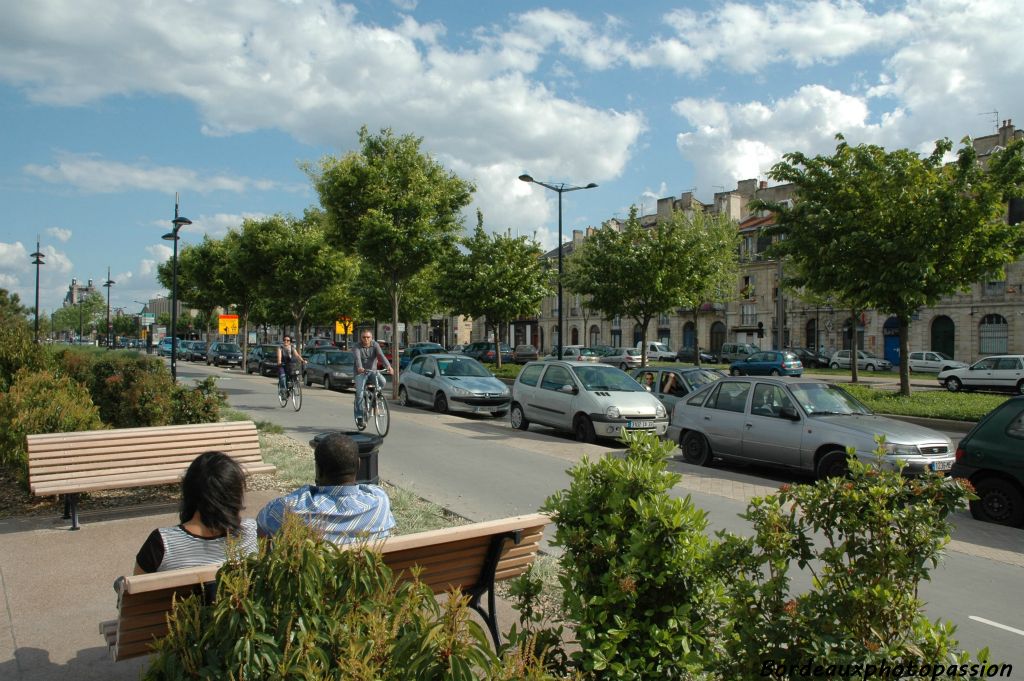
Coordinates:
x,y
287,356
367,355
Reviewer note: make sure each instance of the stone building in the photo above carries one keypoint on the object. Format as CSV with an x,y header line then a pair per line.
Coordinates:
x,y
77,292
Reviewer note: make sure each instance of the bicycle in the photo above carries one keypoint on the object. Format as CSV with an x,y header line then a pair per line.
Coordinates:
x,y
375,405
292,389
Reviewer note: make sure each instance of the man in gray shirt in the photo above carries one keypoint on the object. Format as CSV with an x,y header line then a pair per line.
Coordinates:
x,y
367,354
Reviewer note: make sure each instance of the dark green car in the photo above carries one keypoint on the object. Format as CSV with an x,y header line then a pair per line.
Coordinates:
x,y
991,456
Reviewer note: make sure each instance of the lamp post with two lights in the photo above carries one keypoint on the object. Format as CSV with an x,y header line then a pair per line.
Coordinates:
x,y
178,223
37,260
107,284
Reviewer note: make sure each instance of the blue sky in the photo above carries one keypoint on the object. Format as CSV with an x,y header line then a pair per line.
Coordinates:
x,y
110,107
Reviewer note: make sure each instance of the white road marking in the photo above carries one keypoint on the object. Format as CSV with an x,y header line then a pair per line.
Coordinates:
x,y
997,625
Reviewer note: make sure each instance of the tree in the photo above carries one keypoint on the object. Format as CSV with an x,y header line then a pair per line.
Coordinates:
x,y
85,315
895,231
500,278
200,278
394,206
11,307
241,269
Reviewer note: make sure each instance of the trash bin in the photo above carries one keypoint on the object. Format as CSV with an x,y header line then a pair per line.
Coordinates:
x,y
368,448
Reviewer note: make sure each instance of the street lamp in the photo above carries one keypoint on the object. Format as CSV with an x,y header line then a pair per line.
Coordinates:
x,y
561,188
107,284
178,223
37,260
80,301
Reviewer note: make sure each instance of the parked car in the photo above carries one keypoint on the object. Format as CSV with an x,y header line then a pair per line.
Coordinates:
x,y
331,368
163,348
185,350
262,358
456,349
624,358
811,359
730,352
586,399
799,423
689,354
525,353
933,361
483,351
199,350
576,352
604,350
670,384
865,360
768,363
314,344
414,351
991,456
223,353
1003,372
455,383
657,352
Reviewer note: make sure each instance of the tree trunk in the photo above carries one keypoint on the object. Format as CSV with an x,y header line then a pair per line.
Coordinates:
x,y
643,339
395,298
696,337
497,343
904,356
854,346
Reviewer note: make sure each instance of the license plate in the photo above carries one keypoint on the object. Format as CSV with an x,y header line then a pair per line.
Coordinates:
x,y
639,424
942,465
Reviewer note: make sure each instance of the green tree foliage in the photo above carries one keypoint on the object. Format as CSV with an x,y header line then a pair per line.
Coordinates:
x,y
894,231
89,314
125,325
499,277
11,307
420,298
17,346
393,205
201,273
242,275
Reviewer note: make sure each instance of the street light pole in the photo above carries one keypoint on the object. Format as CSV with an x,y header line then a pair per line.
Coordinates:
x,y
560,188
178,223
80,301
37,260
107,284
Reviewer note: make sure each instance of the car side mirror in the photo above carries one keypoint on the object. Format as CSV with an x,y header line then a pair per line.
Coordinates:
x,y
429,373
570,389
647,388
789,412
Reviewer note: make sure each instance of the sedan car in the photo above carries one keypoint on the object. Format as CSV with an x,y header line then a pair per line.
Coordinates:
x,y
1005,372
689,354
586,399
223,353
262,358
933,361
811,359
577,353
624,358
670,385
799,423
453,383
768,363
991,456
865,360
483,351
525,353
163,348
331,368
416,350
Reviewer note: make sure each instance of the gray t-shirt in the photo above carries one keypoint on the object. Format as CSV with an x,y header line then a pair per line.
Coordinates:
x,y
365,357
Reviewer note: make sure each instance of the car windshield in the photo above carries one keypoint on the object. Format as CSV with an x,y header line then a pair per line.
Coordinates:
x,y
339,358
702,377
229,347
820,399
606,378
943,355
464,367
589,352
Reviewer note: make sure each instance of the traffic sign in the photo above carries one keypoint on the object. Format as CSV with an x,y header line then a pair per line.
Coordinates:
x,y
228,324
343,326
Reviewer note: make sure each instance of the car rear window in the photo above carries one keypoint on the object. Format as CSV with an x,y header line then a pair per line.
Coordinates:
x,y
530,374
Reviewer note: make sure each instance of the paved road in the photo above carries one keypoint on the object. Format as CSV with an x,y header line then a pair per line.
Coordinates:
x,y
481,469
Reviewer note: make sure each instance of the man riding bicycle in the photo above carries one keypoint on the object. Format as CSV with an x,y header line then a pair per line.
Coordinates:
x,y
367,355
287,356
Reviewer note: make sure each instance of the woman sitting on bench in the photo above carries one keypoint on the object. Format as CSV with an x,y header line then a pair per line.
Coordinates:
x,y
211,504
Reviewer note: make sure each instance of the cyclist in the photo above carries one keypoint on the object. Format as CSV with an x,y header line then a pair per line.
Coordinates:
x,y
367,355
287,356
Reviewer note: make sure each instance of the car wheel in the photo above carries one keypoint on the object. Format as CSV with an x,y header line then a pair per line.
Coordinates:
x,y
308,380
583,429
869,367
624,366
1020,388
403,396
999,501
953,384
733,371
327,383
834,365
776,372
441,404
517,418
832,465
207,362
695,448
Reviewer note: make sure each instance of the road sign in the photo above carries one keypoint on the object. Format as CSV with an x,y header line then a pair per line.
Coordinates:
x,y
147,318
343,326
229,324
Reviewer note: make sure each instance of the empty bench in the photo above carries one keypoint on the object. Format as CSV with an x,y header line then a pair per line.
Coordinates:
x,y
93,460
470,557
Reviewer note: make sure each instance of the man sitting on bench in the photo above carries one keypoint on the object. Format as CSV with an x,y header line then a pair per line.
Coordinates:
x,y
341,509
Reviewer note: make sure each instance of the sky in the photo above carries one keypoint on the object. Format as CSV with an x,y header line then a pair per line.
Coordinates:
x,y
111,108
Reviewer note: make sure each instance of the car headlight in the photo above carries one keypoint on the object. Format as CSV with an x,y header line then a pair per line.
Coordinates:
x,y
660,412
613,412
456,390
901,450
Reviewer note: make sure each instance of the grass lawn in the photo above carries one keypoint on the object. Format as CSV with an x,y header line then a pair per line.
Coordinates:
x,y
938,404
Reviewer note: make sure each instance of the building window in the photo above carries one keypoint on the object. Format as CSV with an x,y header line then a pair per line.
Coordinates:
x,y
747,289
616,338
994,288
664,336
748,314
617,322
595,335
663,320
993,333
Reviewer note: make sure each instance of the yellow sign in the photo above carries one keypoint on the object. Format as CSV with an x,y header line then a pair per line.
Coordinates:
x,y
343,326
229,324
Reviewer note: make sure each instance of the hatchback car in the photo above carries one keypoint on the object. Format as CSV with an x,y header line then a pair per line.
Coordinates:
x,y
624,358
1005,372
455,383
525,353
865,360
768,363
223,353
671,385
483,351
991,456
411,353
262,358
799,423
331,368
689,354
163,348
577,353
933,362
586,399
809,358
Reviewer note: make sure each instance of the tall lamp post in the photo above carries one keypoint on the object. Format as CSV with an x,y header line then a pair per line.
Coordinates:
x,y
178,223
560,188
107,284
80,301
37,260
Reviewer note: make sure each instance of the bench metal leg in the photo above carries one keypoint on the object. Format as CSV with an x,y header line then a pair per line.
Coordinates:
x,y
485,585
71,510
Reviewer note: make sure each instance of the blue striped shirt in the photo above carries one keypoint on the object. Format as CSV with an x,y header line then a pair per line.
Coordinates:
x,y
344,513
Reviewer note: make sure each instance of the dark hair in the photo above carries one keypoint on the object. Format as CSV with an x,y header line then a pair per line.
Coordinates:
x,y
214,485
337,459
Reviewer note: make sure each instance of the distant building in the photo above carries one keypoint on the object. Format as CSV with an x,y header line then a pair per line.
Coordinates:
x,y
77,292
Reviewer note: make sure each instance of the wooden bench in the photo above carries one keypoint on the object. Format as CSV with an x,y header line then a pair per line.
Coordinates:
x,y
470,557
87,461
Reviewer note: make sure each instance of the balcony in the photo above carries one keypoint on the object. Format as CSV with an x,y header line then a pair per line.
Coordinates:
x,y
748,320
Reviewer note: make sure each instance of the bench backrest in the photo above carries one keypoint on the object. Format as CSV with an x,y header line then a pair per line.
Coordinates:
x,y
449,558
67,463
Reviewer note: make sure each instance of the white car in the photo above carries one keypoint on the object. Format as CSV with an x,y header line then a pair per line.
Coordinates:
x,y
586,399
657,352
1003,372
933,362
576,353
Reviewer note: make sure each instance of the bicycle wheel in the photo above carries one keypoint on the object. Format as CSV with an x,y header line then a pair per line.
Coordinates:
x,y
381,415
282,395
297,395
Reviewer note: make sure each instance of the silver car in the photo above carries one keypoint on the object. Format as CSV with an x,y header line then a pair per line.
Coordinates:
x,y
331,368
450,382
799,423
587,399
624,358
865,360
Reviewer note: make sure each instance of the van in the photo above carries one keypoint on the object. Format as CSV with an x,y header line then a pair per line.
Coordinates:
x,y
733,351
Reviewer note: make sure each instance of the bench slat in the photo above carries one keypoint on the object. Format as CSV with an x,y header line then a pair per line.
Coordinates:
x,y
149,479
147,431
179,459
105,451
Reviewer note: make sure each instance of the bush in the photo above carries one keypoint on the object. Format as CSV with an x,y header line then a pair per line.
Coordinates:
x,y
17,351
936,404
200,404
41,402
639,586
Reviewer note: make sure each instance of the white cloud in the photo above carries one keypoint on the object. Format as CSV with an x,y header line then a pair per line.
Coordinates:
x,y
160,252
56,261
147,268
8,281
59,233
14,256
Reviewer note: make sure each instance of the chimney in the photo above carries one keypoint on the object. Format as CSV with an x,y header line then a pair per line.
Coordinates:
x,y
577,236
590,231
1006,133
763,184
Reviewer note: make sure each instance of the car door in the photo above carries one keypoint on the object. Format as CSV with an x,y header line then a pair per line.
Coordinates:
x,y
672,387
316,368
932,362
723,417
415,380
550,404
1007,372
767,435
759,363
980,374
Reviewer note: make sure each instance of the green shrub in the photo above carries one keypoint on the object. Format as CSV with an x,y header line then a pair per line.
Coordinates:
x,y
305,609
41,402
200,404
639,587
18,351
936,404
